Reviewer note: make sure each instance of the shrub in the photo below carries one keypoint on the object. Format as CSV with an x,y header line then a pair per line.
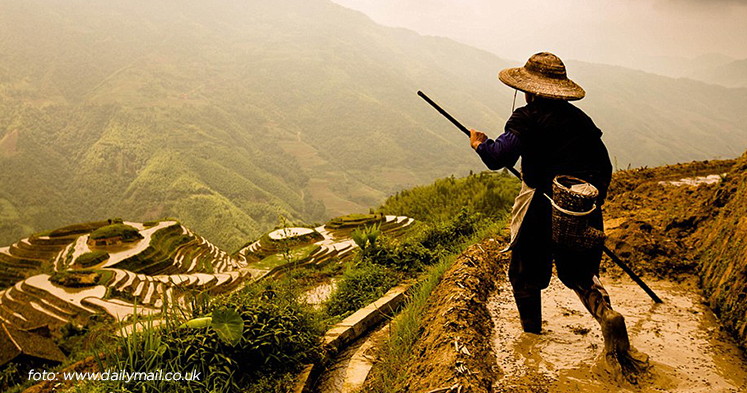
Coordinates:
x,y
91,258
367,236
450,233
71,337
80,278
10,376
425,247
354,220
123,231
360,285
407,255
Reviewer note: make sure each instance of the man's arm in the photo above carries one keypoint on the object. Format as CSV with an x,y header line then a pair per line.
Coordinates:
x,y
502,152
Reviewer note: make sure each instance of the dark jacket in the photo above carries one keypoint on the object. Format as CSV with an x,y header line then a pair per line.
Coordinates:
x,y
558,138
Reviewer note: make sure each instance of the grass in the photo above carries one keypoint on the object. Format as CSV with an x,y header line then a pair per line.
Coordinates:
x,y
295,255
406,327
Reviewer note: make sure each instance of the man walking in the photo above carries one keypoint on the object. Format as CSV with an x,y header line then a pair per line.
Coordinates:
x,y
554,137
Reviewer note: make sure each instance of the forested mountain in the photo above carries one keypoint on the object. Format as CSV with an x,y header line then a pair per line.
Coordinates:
x,y
226,114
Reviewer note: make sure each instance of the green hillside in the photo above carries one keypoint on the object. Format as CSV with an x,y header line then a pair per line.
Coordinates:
x,y
228,114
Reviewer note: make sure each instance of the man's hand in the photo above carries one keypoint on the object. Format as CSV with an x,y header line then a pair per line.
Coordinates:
x,y
476,138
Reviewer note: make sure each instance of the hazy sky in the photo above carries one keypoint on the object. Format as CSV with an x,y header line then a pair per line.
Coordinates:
x,y
606,31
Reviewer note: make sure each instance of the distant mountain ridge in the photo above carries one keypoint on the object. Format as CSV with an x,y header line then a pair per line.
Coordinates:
x,y
227,115
712,68
732,74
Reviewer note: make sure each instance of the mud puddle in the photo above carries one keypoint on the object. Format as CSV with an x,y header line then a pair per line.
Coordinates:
x,y
688,350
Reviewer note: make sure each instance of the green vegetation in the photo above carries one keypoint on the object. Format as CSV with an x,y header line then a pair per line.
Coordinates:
x,y
91,258
226,323
82,278
122,231
365,238
424,247
488,193
354,220
322,101
10,376
257,338
359,286
280,334
382,263
159,254
406,327
72,337
298,255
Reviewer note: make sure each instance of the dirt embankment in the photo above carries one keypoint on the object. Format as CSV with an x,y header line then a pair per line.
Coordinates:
x,y
454,352
651,219
672,230
723,251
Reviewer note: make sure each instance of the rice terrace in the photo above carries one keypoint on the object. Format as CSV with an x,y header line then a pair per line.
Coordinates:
x,y
126,272
167,262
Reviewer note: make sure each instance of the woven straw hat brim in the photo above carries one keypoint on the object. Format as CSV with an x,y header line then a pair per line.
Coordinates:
x,y
543,86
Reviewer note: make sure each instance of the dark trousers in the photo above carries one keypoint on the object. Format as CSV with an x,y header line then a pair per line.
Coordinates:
x,y
533,254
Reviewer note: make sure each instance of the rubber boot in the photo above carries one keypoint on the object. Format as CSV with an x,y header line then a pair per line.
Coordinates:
x,y
615,333
530,312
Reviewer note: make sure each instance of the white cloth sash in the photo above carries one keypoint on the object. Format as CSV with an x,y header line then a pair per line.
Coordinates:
x,y
519,211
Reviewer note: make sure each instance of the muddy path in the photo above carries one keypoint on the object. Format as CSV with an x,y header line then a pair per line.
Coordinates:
x,y
688,350
655,220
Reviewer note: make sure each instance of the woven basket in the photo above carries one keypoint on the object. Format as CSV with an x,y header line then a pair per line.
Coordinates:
x,y
573,201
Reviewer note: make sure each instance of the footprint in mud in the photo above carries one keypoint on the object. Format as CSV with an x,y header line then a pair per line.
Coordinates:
x,y
687,349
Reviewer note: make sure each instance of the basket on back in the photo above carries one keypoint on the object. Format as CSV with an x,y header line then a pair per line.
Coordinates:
x,y
573,201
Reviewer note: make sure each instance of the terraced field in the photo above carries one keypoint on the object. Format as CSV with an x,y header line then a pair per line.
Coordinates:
x,y
45,284
324,244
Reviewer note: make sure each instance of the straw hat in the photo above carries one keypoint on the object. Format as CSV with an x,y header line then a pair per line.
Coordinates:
x,y
543,75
